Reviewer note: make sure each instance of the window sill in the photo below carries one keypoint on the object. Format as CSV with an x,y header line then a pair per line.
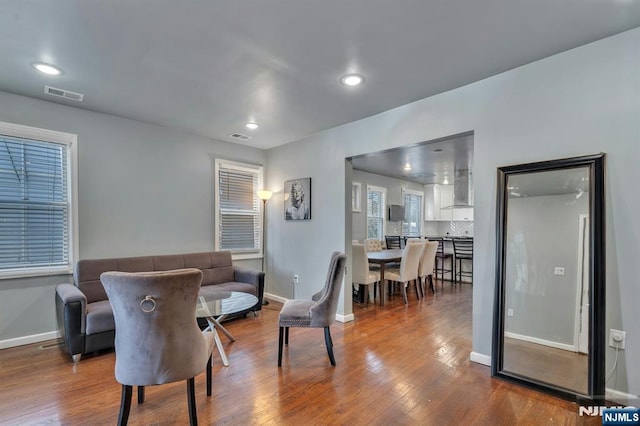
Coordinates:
x,y
35,272
245,256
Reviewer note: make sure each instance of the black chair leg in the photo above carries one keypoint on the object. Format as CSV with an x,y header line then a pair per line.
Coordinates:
x,y
140,394
209,376
125,405
329,343
286,335
191,401
280,342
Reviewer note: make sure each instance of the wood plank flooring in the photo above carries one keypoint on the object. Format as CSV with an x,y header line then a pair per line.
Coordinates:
x,y
396,365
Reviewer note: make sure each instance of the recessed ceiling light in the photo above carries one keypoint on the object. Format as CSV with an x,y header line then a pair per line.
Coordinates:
x,y
407,167
352,79
46,68
251,126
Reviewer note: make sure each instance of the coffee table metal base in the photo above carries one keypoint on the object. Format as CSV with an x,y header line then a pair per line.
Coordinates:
x,y
214,325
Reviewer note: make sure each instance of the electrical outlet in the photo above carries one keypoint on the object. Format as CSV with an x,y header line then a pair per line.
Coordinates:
x,y
296,279
558,270
617,338
509,312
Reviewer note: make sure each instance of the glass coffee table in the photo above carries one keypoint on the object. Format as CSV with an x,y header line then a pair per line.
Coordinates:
x,y
216,306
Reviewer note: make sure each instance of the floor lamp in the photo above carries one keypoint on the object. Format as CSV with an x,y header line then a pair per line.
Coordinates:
x,y
264,196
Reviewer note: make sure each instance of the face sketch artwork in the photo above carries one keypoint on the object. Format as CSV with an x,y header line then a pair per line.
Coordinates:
x,y
298,208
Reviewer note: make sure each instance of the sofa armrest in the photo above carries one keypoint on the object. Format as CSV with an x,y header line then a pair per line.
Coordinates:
x,y
251,276
71,308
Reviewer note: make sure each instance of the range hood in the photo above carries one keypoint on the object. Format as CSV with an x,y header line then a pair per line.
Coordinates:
x,y
462,190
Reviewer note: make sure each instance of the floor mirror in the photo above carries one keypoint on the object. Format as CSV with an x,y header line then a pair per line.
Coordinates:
x,y
549,315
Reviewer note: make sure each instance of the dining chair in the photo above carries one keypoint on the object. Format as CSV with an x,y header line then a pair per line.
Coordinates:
x,y
393,241
462,251
361,275
318,312
427,263
408,270
157,337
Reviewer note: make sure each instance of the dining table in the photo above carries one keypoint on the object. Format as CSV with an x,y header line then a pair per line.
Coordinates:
x,y
382,258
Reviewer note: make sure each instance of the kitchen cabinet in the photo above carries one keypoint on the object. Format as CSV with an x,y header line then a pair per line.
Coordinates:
x,y
436,197
430,212
463,214
446,199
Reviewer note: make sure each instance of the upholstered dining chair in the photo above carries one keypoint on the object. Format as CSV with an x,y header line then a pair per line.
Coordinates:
x,y
157,337
427,263
361,275
319,312
408,270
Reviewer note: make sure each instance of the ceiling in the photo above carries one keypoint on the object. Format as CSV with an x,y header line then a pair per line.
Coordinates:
x,y
208,67
431,162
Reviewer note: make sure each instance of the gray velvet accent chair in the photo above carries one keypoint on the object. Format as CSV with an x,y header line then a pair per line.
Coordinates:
x,y
157,338
408,270
318,312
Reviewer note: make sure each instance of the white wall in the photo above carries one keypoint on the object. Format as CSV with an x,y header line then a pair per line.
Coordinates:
x,y
579,102
394,196
143,190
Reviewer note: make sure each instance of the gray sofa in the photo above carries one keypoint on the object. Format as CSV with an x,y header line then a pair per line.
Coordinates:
x,y
85,318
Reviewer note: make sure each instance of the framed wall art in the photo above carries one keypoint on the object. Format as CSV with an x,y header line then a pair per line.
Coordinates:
x,y
297,199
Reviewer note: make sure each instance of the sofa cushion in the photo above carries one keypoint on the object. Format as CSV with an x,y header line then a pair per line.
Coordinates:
x,y
99,317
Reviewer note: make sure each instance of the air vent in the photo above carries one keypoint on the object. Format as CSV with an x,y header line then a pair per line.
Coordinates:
x,y
240,136
61,93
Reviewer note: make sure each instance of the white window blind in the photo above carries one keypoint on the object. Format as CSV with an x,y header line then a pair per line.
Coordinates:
x,y
34,204
412,224
238,215
375,212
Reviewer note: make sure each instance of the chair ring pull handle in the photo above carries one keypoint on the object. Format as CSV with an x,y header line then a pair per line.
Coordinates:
x,y
148,304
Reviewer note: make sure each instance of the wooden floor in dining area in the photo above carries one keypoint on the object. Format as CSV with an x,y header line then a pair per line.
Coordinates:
x,y
396,365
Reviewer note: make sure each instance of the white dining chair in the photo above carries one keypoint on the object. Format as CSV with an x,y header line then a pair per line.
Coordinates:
x,y
427,264
408,270
361,275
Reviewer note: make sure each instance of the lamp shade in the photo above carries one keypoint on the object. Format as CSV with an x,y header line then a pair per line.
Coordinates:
x,y
264,195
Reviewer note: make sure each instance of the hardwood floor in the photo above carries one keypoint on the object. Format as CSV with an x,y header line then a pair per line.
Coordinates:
x,y
550,365
396,364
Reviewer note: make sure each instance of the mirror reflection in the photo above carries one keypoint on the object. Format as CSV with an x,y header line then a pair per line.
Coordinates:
x,y
546,277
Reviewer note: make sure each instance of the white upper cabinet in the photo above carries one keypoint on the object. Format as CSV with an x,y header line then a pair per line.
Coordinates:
x,y
436,197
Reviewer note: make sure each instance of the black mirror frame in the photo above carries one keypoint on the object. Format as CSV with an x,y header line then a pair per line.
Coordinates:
x,y
597,342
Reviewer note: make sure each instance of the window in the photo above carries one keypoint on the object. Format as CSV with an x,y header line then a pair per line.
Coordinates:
x,y
412,224
375,212
356,196
238,209
37,201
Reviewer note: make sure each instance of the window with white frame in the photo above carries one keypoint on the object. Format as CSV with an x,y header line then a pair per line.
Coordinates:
x,y
376,199
38,193
238,208
412,224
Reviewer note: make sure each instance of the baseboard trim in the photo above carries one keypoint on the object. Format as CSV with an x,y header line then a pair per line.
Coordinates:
x,y
345,318
275,298
538,341
480,358
623,398
27,340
